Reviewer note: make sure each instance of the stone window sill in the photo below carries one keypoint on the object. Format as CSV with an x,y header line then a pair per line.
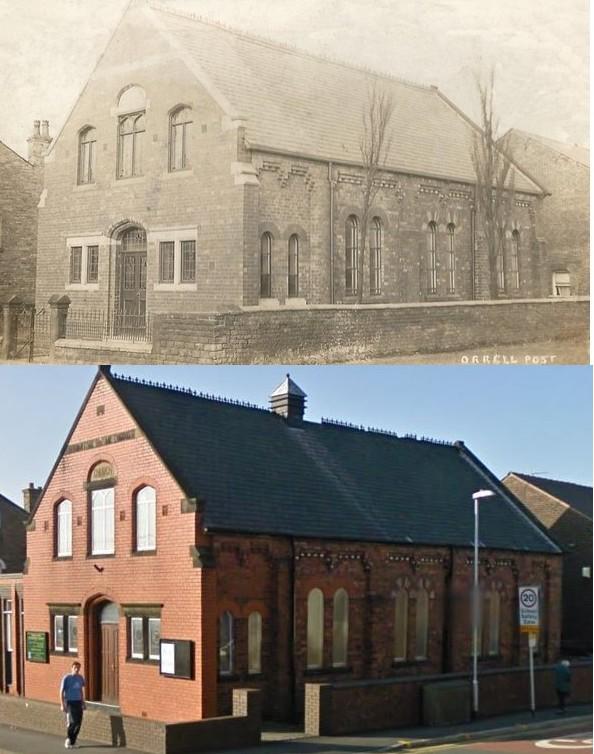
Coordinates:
x,y
172,287
82,287
170,174
84,187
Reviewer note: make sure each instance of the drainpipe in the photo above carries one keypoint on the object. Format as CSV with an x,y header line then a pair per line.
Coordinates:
x,y
331,182
292,638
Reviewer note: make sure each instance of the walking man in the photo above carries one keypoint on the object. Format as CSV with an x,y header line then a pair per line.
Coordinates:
x,y
72,699
562,684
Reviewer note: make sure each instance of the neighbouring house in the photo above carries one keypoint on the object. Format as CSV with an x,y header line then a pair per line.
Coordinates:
x,y
185,546
204,169
565,509
564,216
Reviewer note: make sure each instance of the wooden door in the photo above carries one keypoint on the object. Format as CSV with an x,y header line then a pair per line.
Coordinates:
x,y
133,290
109,663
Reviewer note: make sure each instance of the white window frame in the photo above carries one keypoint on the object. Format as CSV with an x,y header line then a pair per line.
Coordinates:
x,y
84,242
136,654
175,235
59,621
563,285
70,621
228,618
255,643
64,529
105,545
7,616
146,519
152,622
315,629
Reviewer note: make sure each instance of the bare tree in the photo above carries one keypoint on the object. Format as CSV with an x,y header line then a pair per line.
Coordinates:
x,y
374,147
492,162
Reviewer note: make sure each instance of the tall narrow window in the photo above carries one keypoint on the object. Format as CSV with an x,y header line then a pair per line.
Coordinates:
x,y
254,643
515,259
64,530
226,648
8,648
432,258
500,268
179,149
59,633
92,264
76,264
490,624
146,519
422,624
401,625
561,283
340,629
293,266
375,257
102,521
315,629
188,262
351,267
451,258
132,128
137,638
166,262
266,266
86,156
72,633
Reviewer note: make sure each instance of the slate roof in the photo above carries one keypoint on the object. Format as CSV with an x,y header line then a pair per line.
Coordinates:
x,y
257,473
577,496
298,103
574,152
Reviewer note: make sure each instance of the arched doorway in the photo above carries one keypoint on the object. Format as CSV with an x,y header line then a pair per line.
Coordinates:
x,y
104,618
130,309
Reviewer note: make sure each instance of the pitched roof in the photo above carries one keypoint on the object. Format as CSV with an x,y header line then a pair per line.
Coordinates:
x,y
298,103
258,473
574,152
4,502
577,496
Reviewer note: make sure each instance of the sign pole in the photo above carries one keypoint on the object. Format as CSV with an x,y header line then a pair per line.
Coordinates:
x,y
532,637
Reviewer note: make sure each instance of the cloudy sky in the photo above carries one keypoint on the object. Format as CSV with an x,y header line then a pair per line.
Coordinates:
x,y
539,49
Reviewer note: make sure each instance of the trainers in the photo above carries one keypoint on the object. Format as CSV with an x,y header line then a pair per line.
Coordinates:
x,y
67,744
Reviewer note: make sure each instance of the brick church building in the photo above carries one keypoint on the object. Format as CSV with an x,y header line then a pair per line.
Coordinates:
x,y
204,169
185,545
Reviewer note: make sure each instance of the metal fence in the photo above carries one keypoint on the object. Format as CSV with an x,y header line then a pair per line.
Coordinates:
x,y
97,324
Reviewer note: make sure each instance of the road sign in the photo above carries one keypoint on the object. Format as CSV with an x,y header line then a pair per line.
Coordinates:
x,y
529,609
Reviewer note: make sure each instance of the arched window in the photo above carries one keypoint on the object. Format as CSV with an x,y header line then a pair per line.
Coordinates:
x,y
490,623
351,266
422,624
401,625
131,137
432,258
102,479
86,155
266,266
315,629
375,257
294,266
254,643
146,519
132,99
226,645
500,268
515,259
340,629
64,529
451,258
179,139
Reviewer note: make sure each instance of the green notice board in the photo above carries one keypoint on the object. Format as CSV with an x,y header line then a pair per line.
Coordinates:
x,y
37,646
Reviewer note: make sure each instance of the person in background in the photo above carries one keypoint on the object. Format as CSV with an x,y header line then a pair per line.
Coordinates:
x,y
72,700
562,684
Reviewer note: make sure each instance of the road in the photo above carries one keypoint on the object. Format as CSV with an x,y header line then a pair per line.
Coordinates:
x,y
580,742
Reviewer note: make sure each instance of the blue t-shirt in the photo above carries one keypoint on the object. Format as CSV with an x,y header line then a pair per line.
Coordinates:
x,y
72,686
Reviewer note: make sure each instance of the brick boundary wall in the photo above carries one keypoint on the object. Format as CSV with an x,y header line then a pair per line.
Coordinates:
x,y
241,729
322,334
393,703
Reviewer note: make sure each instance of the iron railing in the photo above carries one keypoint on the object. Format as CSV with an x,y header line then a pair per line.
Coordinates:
x,y
97,324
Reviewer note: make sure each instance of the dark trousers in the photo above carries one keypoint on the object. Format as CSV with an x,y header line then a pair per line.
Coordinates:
x,y
74,711
562,696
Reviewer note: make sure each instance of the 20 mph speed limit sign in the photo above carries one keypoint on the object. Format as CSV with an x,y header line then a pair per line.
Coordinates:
x,y
529,609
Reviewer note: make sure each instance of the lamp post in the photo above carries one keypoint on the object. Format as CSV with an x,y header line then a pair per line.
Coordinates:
x,y
476,496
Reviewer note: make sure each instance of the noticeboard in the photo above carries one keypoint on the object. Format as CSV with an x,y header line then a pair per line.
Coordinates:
x,y
177,658
37,646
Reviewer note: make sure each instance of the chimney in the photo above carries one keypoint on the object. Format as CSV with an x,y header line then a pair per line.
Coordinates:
x,y
288,400
31,496
39,142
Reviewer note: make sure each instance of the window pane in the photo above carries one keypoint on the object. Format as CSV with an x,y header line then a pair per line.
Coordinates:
x,y
226,643
59,633
255,643
188,261
75,264
375,258
340,628
266,266
72,634
146,511
351,255
138,156
126,148
315,629
166,261
7,615
294,266
102,521
136,638
177,147
422,620
92,264
154,628
401,625
451,260
432,258
64,520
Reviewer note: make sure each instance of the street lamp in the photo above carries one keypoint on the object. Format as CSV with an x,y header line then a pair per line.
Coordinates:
x,y
476,496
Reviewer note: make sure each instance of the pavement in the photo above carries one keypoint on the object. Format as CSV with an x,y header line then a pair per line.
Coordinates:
x,y
517,727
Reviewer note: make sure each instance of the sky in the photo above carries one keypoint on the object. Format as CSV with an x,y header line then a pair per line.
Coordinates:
x,y
529,419
539,49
